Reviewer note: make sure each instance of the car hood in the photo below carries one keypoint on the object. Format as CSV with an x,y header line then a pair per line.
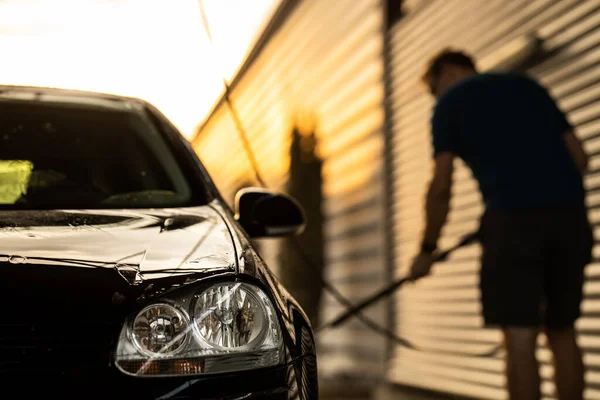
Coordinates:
x,y
138,244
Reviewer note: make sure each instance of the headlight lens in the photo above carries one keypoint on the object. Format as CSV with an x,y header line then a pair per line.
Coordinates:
x,y
160,329
230,317
226,327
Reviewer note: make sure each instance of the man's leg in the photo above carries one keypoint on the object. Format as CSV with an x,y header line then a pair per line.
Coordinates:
x,y
522,371
571,252
568,363
512,276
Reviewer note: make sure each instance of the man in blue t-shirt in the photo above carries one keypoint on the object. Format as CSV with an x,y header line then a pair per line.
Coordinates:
x,y
535,233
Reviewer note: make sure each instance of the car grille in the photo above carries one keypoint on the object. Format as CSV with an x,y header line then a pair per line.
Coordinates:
x,y
55,348
56,321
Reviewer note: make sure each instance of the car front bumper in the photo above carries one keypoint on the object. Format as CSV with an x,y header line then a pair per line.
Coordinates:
x,y
279,383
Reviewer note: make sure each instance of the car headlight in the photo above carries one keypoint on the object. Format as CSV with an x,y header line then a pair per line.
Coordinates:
x,y
226,327
160,329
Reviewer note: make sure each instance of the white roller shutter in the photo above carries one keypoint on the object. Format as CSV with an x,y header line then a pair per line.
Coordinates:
x,y
325,60
442,312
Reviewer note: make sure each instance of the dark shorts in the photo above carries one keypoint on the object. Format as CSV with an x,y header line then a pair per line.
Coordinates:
x,y
533,266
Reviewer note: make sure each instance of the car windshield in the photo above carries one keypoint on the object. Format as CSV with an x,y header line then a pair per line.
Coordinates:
x,y
87,153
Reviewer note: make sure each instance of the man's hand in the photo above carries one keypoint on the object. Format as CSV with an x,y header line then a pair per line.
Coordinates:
x,y
421,266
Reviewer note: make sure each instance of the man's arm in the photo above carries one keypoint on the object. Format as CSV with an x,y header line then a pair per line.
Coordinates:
x,y
576,150
438,198
436,208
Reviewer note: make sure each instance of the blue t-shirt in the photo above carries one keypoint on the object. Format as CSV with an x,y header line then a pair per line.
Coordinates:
x,y
509,131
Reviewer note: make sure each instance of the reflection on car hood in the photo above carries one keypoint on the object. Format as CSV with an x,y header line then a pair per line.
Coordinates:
x,y
139,244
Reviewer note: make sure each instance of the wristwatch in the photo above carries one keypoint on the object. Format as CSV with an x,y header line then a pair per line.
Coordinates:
x,y
428,248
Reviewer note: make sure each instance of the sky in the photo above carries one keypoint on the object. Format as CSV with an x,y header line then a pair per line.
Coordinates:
x,y
153,49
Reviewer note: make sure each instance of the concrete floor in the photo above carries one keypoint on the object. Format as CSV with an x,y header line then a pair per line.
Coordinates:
x,y
348,391
388,392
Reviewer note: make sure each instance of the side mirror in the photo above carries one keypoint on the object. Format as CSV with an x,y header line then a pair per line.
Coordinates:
x,y
268,214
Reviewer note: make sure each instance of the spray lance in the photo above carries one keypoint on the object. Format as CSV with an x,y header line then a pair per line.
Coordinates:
x,y
355,311
396,285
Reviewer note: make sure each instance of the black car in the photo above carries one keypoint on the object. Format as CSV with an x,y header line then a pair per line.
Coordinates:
x,y
124,274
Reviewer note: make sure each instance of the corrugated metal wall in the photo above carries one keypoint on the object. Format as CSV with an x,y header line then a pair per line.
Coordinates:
x,y
325,61
442,312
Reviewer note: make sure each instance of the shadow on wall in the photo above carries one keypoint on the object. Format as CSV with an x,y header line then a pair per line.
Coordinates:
x,y
304,184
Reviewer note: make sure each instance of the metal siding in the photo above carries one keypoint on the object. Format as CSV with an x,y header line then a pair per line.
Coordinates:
x,y
442,312
325,60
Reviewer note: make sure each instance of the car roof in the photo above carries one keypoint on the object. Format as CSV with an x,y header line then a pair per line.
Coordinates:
x,y
66,96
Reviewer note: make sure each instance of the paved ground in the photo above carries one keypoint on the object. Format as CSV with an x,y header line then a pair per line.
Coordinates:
x,y
348,391
391,392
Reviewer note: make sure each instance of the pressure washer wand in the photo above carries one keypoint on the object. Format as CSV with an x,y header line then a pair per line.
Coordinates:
x,y
468,239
